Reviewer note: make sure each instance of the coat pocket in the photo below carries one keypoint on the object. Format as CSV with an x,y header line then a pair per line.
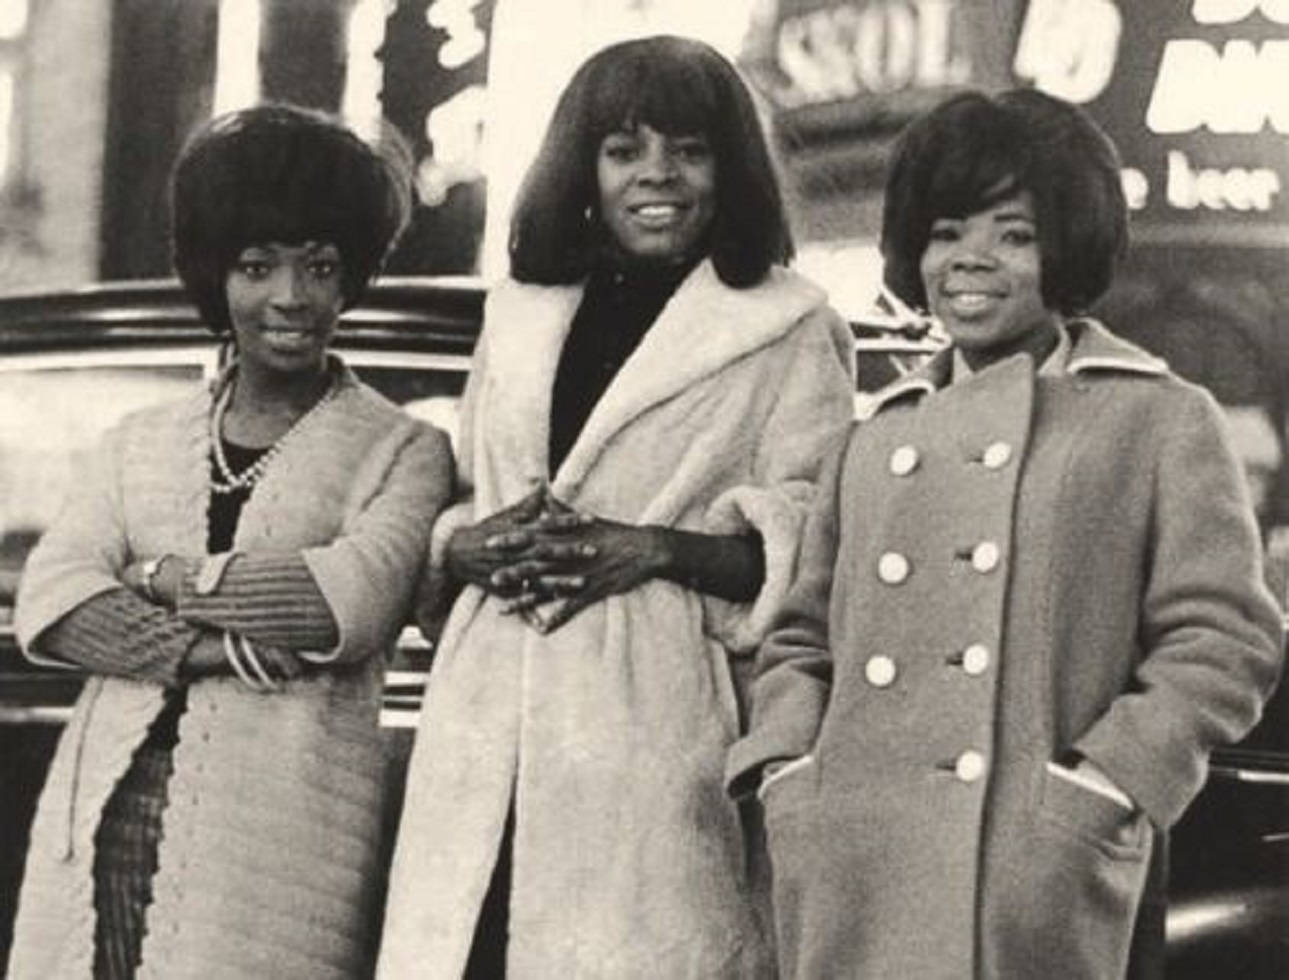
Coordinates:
x,y
1107,825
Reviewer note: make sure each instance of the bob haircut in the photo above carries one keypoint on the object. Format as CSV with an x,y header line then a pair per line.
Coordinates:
x,y
972,151
279,173
675,86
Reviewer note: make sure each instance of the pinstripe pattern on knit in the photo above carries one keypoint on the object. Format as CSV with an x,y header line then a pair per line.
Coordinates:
x,y
125,859
118,633
270,599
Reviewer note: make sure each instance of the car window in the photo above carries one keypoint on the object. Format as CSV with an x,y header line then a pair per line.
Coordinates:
x,y
52,411
426,389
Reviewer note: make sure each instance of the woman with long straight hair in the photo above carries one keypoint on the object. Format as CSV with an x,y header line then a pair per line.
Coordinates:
x,y
648,405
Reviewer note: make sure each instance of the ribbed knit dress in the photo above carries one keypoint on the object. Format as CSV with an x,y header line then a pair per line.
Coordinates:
x,y
265,809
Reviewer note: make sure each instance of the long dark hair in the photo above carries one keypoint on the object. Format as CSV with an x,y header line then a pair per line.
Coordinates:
x,y
676,86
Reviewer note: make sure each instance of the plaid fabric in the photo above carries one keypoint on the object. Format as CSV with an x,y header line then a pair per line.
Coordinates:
x,y
125,850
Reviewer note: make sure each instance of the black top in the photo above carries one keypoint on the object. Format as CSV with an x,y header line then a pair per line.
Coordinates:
x,y
617,310
221,524
226,508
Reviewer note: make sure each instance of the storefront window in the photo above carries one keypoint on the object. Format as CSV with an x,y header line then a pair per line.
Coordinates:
x,y
44,429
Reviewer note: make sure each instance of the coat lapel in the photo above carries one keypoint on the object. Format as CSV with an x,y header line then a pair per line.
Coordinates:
x,y
528,326
1093,348
704,326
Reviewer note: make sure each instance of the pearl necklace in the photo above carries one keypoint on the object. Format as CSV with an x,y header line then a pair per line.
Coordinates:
x,y
230,482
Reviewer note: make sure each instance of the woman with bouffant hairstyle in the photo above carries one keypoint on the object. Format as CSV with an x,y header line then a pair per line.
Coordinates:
x,y
230,571
280,172
976,151
1029,603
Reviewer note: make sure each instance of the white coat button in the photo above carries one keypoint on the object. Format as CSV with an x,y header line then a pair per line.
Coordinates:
x,y
997,455
984,556
975,659
880,671
970,766
892,568
904,460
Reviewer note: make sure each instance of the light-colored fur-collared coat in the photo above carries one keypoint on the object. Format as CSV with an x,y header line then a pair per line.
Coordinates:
x,y
609,734
1078,568
269,863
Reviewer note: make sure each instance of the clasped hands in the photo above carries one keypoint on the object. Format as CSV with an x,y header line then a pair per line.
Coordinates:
x,y
548,562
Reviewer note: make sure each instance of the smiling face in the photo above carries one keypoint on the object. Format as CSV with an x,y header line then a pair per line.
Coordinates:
x,y
284,302
657,192
983,280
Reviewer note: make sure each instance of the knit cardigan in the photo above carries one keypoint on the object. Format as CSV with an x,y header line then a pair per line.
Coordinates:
x,y
269,864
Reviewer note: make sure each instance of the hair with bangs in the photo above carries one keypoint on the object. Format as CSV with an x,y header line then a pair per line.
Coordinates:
x,y
280,173
973,150
676,86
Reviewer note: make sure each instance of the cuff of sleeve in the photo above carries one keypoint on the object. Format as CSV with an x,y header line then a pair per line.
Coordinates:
x,y
1090,778
747,757
451,520
1161,786
209,574
786,717
434,595
777,515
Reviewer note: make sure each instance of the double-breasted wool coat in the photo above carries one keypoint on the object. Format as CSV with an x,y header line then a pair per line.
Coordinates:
x,y
270,860
609,735
1000,571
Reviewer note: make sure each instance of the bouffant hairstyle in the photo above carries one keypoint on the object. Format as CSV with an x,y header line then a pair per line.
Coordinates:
x,y
279,173
972,151
675,86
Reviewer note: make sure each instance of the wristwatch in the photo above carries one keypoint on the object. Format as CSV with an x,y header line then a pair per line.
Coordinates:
x,y
148,573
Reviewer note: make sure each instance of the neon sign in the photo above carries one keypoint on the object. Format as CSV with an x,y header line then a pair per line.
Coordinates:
x,y
1068,47
840,51
1195,93
1238,88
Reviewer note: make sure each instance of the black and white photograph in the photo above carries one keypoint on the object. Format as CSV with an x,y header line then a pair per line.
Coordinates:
x,y
644,489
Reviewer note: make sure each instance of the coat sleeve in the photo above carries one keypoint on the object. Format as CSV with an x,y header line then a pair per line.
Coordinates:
x,y
368,574
814,405
119,634
82,553
794,665
1211,632
268,598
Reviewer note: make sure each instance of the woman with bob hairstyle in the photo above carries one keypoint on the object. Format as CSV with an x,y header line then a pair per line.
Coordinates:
x,y
230,571
640,437
1029,602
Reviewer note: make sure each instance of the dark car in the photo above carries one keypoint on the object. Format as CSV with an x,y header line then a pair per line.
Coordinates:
x,y
73,363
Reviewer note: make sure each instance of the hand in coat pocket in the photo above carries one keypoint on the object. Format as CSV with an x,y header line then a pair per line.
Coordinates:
x,y
1106,819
